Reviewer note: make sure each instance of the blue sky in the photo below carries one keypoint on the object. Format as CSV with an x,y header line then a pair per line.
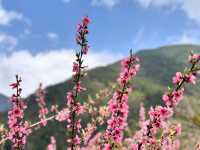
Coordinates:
x,y
35,30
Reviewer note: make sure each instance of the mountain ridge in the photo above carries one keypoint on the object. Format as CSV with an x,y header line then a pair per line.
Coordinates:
x,y
4,104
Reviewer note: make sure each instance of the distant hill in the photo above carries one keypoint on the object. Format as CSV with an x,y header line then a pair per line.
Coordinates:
x,y
157,68
4,104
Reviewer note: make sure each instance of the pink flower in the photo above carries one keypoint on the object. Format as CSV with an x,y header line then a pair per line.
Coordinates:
x,y
112,105
81,34
177,78
43,122
70,98
85,49
166,99
177,145
17,112
54,108
93,143
118,105
75,68
13,85
178,129
134,147
147,135
107,147
43,111
194,58
18,128
63,115
125,62
137,67
74,106
177,96
158,115
79,88
76,140
191,78
86,21
165,112
141,115
52,145
79,109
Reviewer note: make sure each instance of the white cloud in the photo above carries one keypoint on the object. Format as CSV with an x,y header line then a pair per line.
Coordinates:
x,y
107,3
47,67
188,37
190,7
6,17
158,3
7,42
52,36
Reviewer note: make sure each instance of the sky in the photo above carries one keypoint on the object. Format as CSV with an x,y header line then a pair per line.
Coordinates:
x,y
37,37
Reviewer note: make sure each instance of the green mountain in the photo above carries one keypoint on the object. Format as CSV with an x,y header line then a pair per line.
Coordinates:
x,y
4,104
157,68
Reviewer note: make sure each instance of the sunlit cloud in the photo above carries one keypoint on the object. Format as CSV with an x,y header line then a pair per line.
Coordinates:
x,y
49,67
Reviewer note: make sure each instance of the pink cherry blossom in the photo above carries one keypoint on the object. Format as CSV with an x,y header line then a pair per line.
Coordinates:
x,y
191,78
52,145
43,111
76,68
74,106
178,78
18,128
178,129
118,105
86,21
194,58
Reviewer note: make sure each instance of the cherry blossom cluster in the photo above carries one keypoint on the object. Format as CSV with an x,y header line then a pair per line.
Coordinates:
x,y
82,32
75,107
167,141
93,144
158,116
98,114
118,105
18,128
43,111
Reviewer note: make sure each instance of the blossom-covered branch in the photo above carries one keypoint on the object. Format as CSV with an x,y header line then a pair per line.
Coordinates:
x,y
98,114
18,128
159,115
43,111
75,107
118,105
